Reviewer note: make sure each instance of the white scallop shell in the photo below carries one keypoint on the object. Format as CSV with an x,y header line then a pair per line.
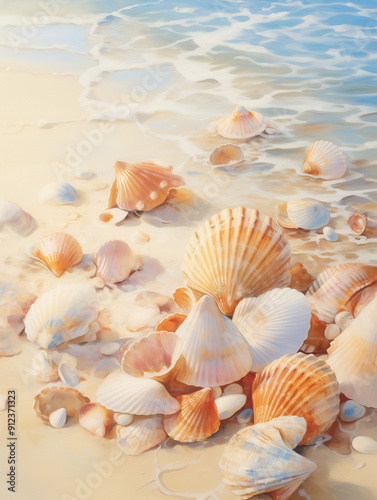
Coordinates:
x,y
325,160
304,214
241,124
19,220
228,404
141,435
57,193
58,418
115,261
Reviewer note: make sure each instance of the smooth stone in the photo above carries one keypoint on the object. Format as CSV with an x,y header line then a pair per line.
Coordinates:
x,y
245,416
365,444
351,411
344,320
228,405
233,389
58,418
123,418
332,331
109,349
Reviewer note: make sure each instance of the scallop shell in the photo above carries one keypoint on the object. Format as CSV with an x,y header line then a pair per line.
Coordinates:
x,y
123,393
171,323
153,356
141,435
196,421
58,418
12,215
213,351
58,252
353,357
235,254
300,385
96,418
325,160
256,461
184,298
143,185
274,324
115,261
112,216
358,222
43,367
57,193
63,314
53,397
227,154
304,214
241,124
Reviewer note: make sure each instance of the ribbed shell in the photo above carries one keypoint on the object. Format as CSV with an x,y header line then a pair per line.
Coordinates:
x,y
184,298
353,357
96,418
142,185
325,160
274,324
123,393
213,351
241,124
63,314
300,385
227,154
140,435
115,261
58,252
256,461
333,288
237,253
12,215
304,214
53,397
197,420
171,323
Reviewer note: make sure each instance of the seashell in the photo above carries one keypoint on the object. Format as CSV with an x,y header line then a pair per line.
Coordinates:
x,y
155,355
233,389
365,444
227,154
300,385
123,393
332,331
53,397
142,185
325,160
3,402
303,214
351,411
361,299
358,222
139,237
109,348
171,323
12,215
62,314
235,254
58,252
123,418
213,351
229,404
184,298
68,375
96,418
115,261
343,320
353,357
292,429
146,299
142,318
141,435
245,416
329,234
256,460
58,418
196,421
43,368
300,278
274,324
57,193
241,124
112,216
216,391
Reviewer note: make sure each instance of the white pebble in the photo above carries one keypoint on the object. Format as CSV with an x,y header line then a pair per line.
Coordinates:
x,y
139,237
109,349
228,405
344,319
245,416
3,401
58,418
329,234
332,331
123,418
233,389
351,411
365,444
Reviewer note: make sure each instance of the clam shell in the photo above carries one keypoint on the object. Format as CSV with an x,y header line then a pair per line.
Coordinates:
x,y
332,331
96,418
235,254
365,444
325,160
196,421
227,154
213,351
329,234
58,252
304,214
43,367
274,324
351,411
112,216
229,404
358,222
115,261
58,418
53,397
141,435
184,298
300,385
171,323
142,185
241,124
12,215
63,314
57,193
123,393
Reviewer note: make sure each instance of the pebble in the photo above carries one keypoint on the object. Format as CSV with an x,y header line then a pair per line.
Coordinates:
x,y
139,237
123,418
330,234
228,405
109,349
344,319
233,389
58,418
245,416
351,411
332,331
3,401
365,444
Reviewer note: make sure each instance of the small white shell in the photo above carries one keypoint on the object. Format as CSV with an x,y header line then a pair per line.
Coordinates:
x,y
139,237
245,416
329,234
228,405
57,193
351,411
68,375
112,216
12,215
344,319
233,389
305,214
123,418
58,418
365,444
332,331
3,401
109,349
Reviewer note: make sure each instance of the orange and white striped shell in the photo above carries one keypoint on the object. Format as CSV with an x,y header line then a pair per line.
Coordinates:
x,y
241,124
325,160
53,397
96,418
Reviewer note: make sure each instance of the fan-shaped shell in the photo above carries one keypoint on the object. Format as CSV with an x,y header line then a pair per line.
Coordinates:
x,y
197,420
142,185
184,298
171,323
304,214
63,314
227,154
358,222
256,461
57,193
58,252
123,393
241,124
140,435
96,418
53,397
19,220
213,351
274,324
115,261
325,160
235,254
43,367
300,385
353,357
